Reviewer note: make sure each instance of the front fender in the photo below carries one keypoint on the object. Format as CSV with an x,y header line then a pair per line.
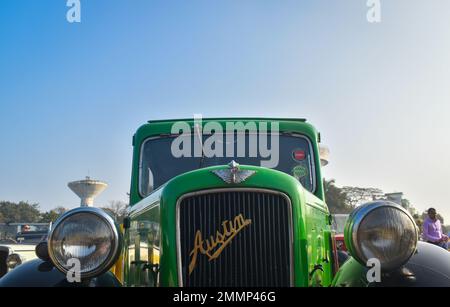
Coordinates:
x,y
428,267
38,273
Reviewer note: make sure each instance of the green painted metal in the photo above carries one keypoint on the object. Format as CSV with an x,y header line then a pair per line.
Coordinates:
x,y
311,227
351,274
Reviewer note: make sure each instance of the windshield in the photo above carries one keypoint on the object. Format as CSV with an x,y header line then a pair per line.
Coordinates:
x,y
31,237
158,163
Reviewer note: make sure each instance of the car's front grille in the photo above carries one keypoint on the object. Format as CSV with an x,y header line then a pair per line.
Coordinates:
x,y
257,235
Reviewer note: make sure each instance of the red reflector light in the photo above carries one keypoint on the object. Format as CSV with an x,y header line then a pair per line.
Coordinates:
x,y
299,155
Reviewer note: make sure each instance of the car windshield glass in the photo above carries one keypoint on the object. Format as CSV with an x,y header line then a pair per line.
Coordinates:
x,y
30,237
159,164
30,240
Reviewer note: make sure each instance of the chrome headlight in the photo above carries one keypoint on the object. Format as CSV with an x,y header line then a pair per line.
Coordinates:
x,y
381,230
13,260
87,234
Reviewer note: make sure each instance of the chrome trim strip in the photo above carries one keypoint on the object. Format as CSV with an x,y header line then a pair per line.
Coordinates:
x,y
144,209
202,192
149,202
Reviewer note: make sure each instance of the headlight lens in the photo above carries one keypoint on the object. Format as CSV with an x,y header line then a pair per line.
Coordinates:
x,y
13,260
384,231
87,234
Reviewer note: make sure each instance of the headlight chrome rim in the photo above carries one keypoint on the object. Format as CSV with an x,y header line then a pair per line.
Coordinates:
x,y
357,217
113,253
18,260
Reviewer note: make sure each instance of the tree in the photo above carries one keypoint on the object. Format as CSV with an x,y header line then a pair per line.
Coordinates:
x,y
52,215
117,209
335,197
356,196
19,212
419,221
406,203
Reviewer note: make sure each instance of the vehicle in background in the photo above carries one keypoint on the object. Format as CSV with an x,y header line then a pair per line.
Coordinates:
x,y
14,252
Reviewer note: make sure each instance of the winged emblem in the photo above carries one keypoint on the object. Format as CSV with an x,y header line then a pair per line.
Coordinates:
x,y
233,174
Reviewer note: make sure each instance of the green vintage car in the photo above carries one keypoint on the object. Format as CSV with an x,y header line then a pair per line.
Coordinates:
x,y
232,202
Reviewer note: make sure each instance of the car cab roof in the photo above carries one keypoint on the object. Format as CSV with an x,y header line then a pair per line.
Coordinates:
x,y
159,127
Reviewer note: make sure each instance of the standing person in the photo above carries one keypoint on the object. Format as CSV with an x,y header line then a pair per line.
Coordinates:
x,y
432,230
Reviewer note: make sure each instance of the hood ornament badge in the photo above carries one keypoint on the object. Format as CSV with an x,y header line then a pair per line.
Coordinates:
x,y
233,174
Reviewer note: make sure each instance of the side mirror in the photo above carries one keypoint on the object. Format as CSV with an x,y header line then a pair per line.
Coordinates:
x,y
324,154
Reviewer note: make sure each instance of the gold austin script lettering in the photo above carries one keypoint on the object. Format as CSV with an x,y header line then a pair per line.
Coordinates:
x,y
229,230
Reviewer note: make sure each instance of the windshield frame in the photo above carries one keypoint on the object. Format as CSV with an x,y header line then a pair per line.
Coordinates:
x,y
171,135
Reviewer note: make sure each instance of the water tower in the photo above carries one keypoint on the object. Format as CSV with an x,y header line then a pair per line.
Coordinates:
x,y
87,190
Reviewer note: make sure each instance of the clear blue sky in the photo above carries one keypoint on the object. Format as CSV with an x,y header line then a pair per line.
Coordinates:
x,y
72,95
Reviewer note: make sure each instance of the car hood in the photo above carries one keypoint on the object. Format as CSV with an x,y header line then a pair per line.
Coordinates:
x,y
20,247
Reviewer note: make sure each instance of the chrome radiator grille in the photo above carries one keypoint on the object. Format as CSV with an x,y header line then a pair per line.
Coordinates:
x,y
235,238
